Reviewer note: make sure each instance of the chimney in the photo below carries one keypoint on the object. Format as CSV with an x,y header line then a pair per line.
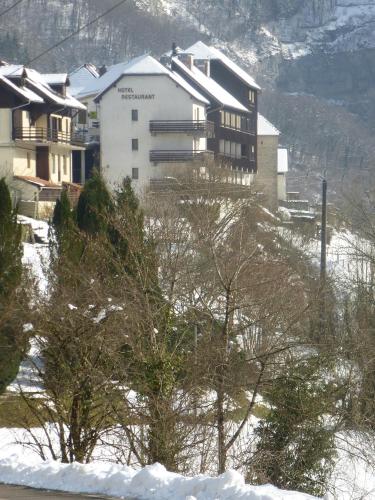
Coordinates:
x,y
187,59
102,70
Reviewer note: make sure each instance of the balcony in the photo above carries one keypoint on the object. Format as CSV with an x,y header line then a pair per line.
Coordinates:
x,y
41,135
177,156
202,128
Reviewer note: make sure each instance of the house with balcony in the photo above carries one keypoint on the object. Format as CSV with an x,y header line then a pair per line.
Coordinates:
x,y
152,121
36,136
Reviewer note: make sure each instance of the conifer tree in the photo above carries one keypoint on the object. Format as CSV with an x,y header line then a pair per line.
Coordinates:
x,y
94,206
296,444
10,279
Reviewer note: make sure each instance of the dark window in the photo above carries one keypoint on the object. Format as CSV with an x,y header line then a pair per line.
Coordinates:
x,y
135,145
134,115
135,173
243,151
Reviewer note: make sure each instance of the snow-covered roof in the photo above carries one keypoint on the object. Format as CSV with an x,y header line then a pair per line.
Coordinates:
x,y
202,51
55,78
265,127
21,91
81,78
147,65
282,161
48,94
35,87
210,86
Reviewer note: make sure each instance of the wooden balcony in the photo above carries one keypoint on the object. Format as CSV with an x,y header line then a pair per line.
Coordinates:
x,y
41,135
201,128
178,156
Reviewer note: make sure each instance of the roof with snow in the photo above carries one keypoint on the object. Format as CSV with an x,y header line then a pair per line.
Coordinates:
x,y
56,78
265,127
282,161
33,86
82,77
22,91
210,86
202,51
143,65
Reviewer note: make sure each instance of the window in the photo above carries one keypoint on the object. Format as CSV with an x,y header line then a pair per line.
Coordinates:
x,y
238,150
222,118
233,149
227,148
53,164
243,151
135,145
227,119
134,115
64,165
135,174
252,96
222,146
238,122
28,160
233,120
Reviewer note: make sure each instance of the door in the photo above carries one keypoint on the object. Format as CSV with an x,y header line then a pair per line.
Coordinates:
x,y
42,163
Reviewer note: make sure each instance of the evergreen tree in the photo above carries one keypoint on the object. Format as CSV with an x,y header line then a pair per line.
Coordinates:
x,y
10,279
296,446
94,206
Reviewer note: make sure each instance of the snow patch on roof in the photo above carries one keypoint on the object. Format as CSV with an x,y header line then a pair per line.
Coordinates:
x,y
265,127
210,86
55,78
146,65
24,92
202,51
81,78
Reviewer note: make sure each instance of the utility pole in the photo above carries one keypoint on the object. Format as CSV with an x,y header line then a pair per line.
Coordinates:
x,y
323,261
323,235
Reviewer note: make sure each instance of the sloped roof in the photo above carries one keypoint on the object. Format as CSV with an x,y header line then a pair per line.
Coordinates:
x,y
202,51
265,127
81,78
21,91
282,161
146,65
210,86
37,181
55,78
35,87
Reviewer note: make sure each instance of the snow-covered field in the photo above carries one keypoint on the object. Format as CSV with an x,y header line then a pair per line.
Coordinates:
x,y
154,482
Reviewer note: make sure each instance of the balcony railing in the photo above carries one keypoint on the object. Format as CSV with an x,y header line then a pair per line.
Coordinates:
x,y
203,128
164,155
44,135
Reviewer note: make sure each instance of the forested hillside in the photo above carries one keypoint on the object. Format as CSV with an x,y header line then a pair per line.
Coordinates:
x,y
313,57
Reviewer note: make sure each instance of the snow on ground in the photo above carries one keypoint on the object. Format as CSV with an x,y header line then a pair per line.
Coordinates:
x,y
28,380
36,255
154,482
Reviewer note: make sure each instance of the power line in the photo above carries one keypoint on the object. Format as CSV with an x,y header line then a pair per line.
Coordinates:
x,y
75,32
10,8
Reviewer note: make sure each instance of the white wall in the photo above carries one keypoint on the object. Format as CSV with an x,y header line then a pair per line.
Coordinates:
x,y
168,102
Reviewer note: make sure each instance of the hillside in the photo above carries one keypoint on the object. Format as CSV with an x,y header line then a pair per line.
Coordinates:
x,y
315,58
